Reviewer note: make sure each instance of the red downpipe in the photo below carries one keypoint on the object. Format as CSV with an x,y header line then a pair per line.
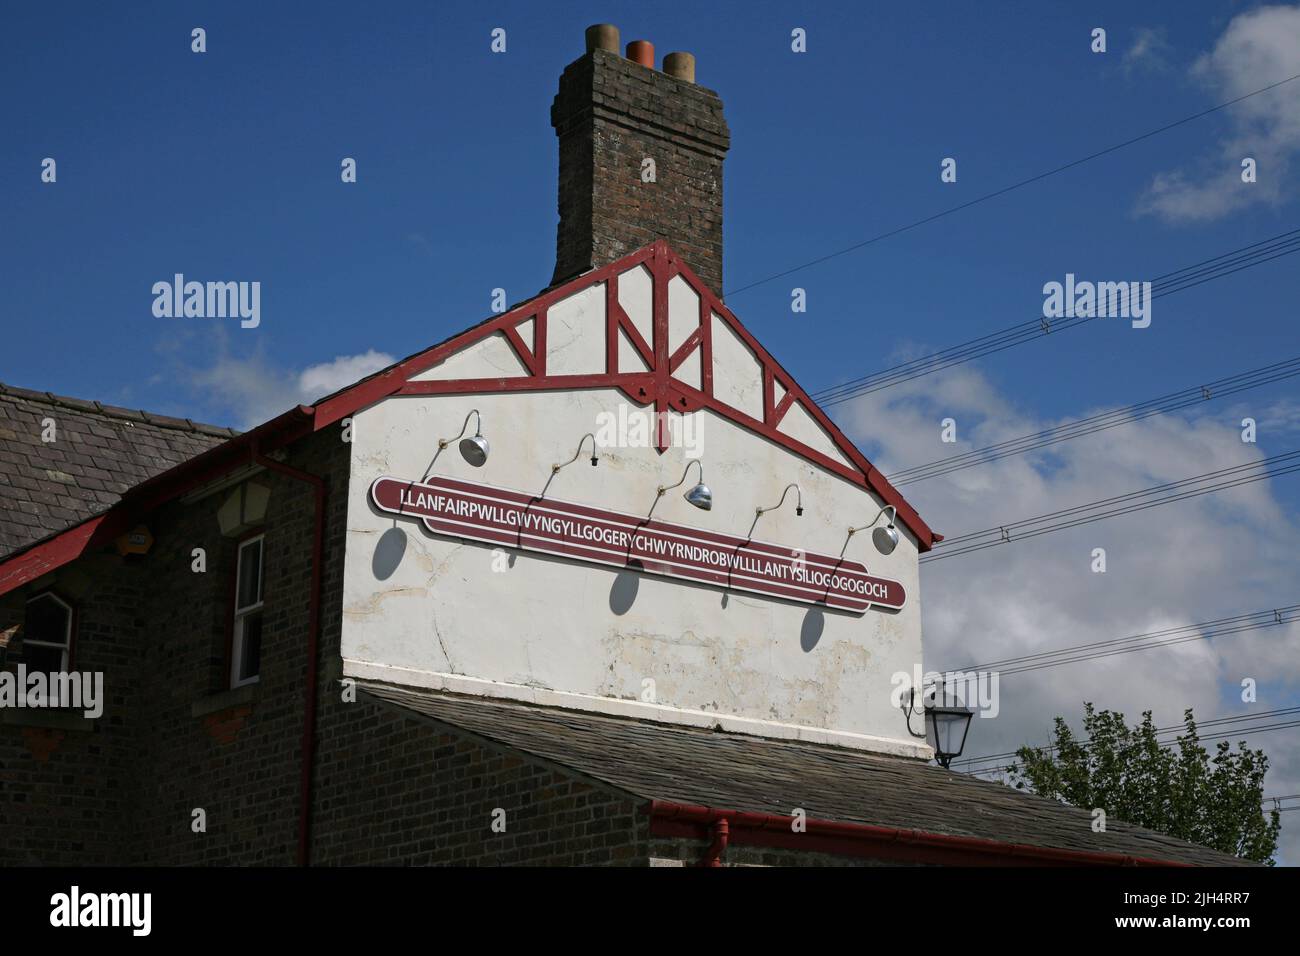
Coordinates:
x,y
864,840
313,644
721,833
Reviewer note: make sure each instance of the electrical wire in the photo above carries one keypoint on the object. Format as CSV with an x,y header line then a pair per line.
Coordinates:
x,y
1225,264
1164,637
1085,744
1129,414
1014,186
1240,732
1129,503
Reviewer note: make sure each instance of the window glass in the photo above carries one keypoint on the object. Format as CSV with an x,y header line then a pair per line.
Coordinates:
x,y
47,621
250,660
37,657
250,574
246,647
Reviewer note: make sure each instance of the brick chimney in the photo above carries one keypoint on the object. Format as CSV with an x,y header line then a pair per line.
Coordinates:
x,y
611,114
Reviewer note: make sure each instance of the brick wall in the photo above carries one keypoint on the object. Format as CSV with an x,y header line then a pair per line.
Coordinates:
x,y
388,787
172,739
64,780
611,114
231,754
392,789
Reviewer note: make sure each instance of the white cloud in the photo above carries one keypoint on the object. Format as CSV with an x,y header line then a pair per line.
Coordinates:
x,y
317,381
1149,52
1282,415
1179,564
1257,49
251,389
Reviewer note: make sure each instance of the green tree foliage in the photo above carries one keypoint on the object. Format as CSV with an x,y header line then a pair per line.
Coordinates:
x,y
1215,801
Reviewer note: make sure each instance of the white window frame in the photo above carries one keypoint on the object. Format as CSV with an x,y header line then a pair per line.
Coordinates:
x,y
66,646
241,614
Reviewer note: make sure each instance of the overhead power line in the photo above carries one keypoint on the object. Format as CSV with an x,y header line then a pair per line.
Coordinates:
x,y
1242,732
1180,728
1193,395
1134,501
1012,187
1164,637
1277,802
1217,267
997,763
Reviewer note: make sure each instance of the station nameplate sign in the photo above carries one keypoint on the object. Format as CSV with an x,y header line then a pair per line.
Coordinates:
x,y
513,519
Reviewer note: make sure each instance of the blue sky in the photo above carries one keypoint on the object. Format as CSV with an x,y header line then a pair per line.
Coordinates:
x,y
225,165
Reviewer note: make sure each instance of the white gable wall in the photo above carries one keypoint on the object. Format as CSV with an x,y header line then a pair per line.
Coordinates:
x,y
492,357
443,612
737,375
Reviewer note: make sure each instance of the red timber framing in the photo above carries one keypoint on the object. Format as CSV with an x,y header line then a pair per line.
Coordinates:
x,y
656,386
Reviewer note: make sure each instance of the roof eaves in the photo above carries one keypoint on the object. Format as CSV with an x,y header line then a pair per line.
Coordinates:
x,y
91,407
866,840
50,553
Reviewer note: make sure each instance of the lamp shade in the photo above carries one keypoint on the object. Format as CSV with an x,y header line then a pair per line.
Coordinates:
x,y
945,730
474,450
885,539
700,496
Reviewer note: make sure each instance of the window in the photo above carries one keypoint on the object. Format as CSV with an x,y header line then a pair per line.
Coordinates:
x,y
47,634
246,637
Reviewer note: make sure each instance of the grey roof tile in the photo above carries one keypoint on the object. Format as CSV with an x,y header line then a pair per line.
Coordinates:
x,y
100,451
725,771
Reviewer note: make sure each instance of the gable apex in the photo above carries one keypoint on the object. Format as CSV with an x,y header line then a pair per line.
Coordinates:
x,y
649,327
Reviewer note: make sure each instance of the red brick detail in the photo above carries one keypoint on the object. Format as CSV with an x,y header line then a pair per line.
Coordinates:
x,y
224,725
42,741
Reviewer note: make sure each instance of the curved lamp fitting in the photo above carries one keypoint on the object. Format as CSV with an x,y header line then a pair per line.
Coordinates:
x,y
594,458
798,507
700,496
885,539
473,449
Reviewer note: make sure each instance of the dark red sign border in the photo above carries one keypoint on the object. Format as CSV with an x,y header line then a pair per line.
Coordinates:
x,y
616,539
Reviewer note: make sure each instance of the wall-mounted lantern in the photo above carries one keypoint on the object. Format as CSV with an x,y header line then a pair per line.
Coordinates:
x,y
244,508
946,726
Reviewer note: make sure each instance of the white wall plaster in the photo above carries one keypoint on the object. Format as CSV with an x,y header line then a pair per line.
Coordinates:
x,y
589,636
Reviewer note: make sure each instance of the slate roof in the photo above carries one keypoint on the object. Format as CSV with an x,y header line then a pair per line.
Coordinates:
x,y
724,771
99,452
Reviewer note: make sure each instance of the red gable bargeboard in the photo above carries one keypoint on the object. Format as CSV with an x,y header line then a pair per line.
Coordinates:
x,y
657,382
